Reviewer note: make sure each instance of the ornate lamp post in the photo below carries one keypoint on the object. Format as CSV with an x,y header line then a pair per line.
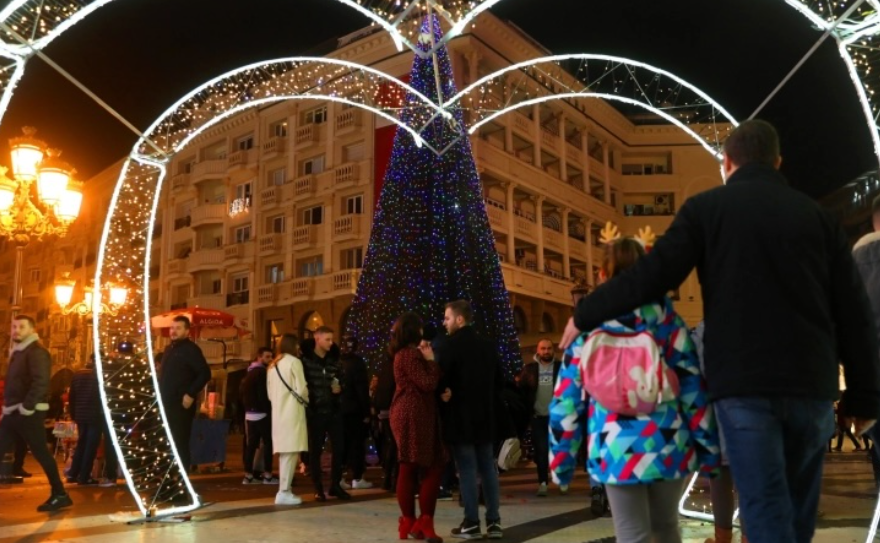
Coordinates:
x,y
91,303
40,199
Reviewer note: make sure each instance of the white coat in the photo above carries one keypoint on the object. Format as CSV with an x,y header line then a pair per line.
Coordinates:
x,y
289,431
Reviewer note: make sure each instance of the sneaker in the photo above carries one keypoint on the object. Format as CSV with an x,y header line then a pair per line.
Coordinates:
x,y
444,495
287,498
269,479
542,490
250,480
597,502
55,503
11,480
340,493
88,482
360,484
494,531
563,489
344,486
467,530
107,483
22,473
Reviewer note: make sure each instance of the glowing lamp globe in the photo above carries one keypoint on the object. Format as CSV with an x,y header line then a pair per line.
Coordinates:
x,y
68,208
64,292
7,193
52,180
118,295
27,153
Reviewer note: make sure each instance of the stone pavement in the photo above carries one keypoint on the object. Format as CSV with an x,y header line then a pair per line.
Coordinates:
x,y
247,513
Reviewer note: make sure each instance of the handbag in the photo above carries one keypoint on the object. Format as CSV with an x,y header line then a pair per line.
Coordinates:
x,y
295,395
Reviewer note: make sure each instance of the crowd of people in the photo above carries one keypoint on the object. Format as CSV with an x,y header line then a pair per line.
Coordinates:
x,y
746,398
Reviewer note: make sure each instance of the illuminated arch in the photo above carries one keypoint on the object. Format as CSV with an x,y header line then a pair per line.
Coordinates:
x,y
129,388
561,77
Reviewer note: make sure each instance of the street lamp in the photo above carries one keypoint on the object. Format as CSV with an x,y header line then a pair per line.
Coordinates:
x,y
92,302
40,199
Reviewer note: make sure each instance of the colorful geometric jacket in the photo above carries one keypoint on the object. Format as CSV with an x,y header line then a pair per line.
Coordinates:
x,y
678,438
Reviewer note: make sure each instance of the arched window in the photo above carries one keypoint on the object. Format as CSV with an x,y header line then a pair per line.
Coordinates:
x,y
547,324
519,320
311,322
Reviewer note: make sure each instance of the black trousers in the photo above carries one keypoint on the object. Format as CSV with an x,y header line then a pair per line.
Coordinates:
x,y
389,456
257,431
322,426
541,442
356,431
31,430
180,422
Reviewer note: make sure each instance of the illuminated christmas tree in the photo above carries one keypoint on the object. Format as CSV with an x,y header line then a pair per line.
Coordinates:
x,y
431,241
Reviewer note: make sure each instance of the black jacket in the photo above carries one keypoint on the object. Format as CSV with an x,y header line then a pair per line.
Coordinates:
x,y
782,297
319,378
254,394
27,380
184,371
355,386
472,371
528,383
85,398
386,387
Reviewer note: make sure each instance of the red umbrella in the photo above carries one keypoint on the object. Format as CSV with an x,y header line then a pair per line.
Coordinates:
x,y
204,322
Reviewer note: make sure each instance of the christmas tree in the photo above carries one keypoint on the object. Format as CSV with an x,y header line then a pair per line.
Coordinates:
x,y
431,241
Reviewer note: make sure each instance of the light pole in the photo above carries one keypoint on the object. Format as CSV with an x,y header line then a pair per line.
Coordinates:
x,y
90,303
41,199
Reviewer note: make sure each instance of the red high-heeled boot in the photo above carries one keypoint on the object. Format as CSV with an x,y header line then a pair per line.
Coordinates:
x,y
405,526
424,529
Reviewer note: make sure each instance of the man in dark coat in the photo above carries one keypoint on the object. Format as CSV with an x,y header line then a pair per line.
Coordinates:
x,y
472,375
85,410
25,402
355,411
536,384
184,374
784,304
258,419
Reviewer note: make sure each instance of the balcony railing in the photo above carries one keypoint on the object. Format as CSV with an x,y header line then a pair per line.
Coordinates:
x,y
302,287
347,173
238,298
267,294
304,186
271,243
208,213
205,168
182,222
305,235
239,159
177,265
274,145
348,120
306,135
347,225
270,196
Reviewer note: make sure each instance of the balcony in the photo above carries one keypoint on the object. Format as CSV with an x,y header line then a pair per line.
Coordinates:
x,y
305,237
177,266
235,252
182,222
271,244
238,298
209,169
306,136
523,124
208,214
347,174
239,160
304,187
348,227
346,282
497,218
532,283
180,182
205,259
270,197
525,228
267,295
274,146
208,301
302,287
553,239
549,140
348,121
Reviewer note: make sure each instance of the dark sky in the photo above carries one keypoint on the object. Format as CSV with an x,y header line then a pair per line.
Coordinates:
x,y
142,55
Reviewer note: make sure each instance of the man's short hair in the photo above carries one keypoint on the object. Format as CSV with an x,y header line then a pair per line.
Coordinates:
x,y
262,350
184,319
875,206
542,340
753,142
323,330
30,320
461,308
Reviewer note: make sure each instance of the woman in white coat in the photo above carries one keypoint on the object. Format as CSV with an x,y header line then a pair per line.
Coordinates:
x,y
286,385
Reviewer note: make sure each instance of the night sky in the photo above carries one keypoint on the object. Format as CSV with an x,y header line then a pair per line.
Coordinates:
x,y
142,55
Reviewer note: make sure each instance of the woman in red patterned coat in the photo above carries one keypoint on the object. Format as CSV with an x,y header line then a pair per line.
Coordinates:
x,y
415,423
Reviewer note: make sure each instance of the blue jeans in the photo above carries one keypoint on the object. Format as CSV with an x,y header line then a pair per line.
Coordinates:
x,y
776,447
89,437
473,459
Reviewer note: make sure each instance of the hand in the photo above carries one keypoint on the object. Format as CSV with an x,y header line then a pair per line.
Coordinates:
x,y
187,401
863,425
427,351
446,396
336,389
569,335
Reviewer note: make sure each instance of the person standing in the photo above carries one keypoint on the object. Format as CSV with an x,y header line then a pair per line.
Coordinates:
x,y
184,374
385,388
355,411
258,419
25,403
289,397
323,375
415,423
473,375
536,384
783,303
85,410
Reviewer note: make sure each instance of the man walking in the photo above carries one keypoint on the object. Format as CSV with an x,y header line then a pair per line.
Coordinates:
x,y
184,374
355,411
471,381
536,384
25,402
258,419
783,303
324,379
85,410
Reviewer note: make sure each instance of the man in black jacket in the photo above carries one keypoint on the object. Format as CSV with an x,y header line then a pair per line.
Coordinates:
x,y
85,409
355,411
472,377
324,378
184,374
536,384
25,402
783,304
258,419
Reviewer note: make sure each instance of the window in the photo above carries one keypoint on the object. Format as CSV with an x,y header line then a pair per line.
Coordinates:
x,y
315,116
187,167
354,205
278,129
35,275
277,177
353,258
243,233
313,215
353,152
240,283
243,191
310,267
245,142
216,286
276,225
275,273
312,165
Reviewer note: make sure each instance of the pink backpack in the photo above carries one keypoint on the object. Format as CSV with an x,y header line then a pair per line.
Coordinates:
x,y
625,372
